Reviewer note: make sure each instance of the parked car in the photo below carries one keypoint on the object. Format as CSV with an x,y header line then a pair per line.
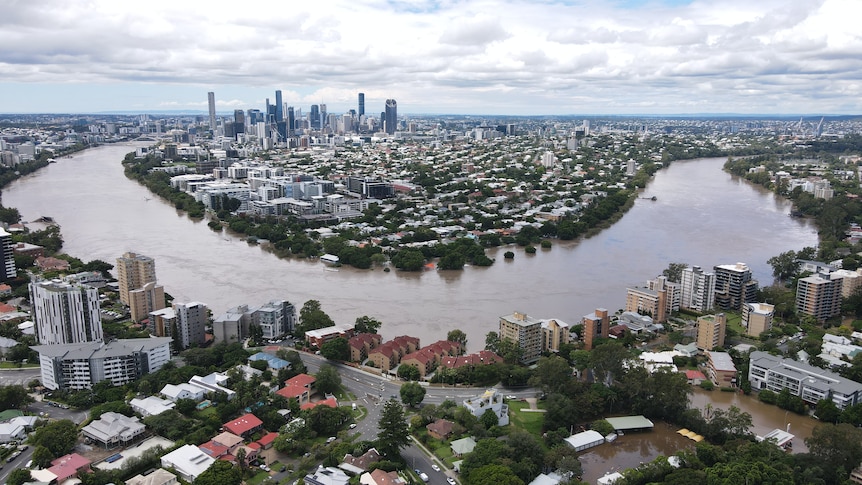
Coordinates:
x,y
352,425
435,468
450,480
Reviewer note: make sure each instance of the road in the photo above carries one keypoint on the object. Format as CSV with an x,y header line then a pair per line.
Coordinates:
x,y
19,462
19,377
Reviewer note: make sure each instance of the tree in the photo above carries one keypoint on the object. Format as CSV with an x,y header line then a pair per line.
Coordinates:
x,y
489,419
366,324
458,336
255,334
336,349
328,379
836,445
827,411
312,317
14,397
186,406
412,393
42,457
494,475
58,436
673,272
408,372
220,473
785,265
492,342
552,374
18,476
409,259
393,430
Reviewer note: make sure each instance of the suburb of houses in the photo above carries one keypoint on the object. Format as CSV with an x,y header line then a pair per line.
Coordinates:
x,y
74,355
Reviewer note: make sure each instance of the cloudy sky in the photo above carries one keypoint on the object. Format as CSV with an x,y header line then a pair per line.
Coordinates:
x,y
435,56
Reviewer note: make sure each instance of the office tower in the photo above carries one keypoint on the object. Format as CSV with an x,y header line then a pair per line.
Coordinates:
x,y
65,313
279,106
134,271
238,121
710,331
314,117
211,99
819,296
697,289
595,325
191,321
734,286
391,116
361,105
757,318
347,123
524,331
291,121
322,116
7,257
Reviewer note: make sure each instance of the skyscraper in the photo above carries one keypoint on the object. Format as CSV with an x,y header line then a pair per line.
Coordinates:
x,y
7,257
314,117
211,99
65,313
279,106
697,288
361,111
734,286
391,120
238,121
136,275
291,121
322,116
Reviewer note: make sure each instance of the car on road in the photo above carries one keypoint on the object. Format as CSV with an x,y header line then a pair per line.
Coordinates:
x,y
352,425
450,480
511,396
435,468
330,439
424,477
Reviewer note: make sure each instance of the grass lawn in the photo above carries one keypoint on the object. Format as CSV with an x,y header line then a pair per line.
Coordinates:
x,y
257,479
734,321
531,422
203,414
13,365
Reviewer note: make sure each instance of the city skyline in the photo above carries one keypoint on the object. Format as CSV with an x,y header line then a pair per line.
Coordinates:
x,y
628,57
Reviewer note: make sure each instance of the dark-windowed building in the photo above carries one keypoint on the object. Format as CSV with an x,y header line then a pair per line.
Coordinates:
x,y
390,121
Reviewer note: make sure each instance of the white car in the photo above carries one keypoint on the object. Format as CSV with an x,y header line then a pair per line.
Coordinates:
x,y
435,468
450,480
352,425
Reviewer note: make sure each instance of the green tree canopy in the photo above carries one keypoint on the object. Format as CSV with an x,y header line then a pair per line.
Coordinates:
x,y
366,324
220,473
328,379
457,336
336,349
393,430
412,393
58,437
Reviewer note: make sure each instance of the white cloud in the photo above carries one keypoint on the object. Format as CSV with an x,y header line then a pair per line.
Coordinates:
x,y
474,55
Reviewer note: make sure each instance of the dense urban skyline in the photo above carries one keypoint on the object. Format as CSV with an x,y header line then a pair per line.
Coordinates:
x,y
457,57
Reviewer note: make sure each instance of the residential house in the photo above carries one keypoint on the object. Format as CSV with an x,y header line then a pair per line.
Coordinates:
x,y
326,476
188,461
68,466
463,446
159,476
183,391
150,406
482,357
492,400
316,338
380,477
358,464
244,425
113,429
360,345
440,429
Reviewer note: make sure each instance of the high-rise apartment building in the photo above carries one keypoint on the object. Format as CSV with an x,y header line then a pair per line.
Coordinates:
x,y
710,331
133,271
65,313
361,111
673,293
819,297
191,323
7,257
595,325
697,289
734,286
647,302
757,318
555,334
291,121
526,332
136,276
211,102
390,121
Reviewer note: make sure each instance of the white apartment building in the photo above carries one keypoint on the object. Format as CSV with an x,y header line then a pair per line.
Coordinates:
x,y
79,366
492,400
697,289
65,313
811,383
191,321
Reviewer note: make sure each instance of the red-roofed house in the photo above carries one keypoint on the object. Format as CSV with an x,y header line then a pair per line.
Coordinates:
x,y
214,449
331,402
483,357
440,429
303,380
267,440
68,466
52,264
301,394
694,377
244,425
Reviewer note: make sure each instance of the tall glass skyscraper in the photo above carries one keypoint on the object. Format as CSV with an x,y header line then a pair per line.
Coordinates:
x,y
361,105
391,120
211,99
279,106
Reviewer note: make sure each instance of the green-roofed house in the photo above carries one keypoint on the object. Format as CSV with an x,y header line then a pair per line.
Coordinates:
x,y
9,414
463,446
630,423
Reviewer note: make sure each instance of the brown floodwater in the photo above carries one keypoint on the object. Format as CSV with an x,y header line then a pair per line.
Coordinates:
x,y
702,216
